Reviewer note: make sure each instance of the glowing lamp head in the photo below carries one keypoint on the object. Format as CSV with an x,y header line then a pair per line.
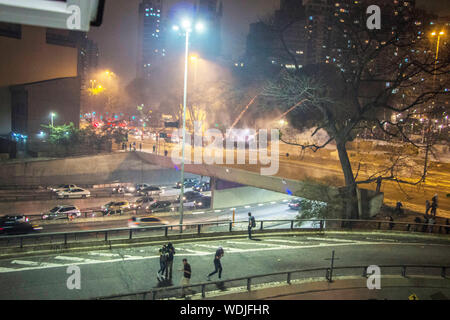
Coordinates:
x,y
175,28
200,27
186,24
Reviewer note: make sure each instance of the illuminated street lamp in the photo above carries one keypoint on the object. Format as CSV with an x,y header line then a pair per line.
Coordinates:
x,y
186,25
52,115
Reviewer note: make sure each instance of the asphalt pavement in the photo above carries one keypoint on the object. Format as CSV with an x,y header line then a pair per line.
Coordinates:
x,y
132,269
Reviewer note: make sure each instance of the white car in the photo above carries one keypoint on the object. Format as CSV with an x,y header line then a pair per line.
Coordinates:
x,y
62,212
74,193
63,187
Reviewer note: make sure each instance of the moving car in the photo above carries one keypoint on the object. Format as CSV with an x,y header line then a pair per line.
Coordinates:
x,y
294,204
142,202
19,218
160,206
202,187
204,202
150,191
63,187
13,226
62,212
141,186
116,206
74,193
188,183
136,222
191,196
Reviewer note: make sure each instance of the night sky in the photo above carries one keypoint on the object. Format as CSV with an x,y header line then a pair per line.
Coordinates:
x,y
117,37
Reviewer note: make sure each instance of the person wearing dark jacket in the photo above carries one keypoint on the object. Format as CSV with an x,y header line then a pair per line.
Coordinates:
x,y
163,254
217,265
169,263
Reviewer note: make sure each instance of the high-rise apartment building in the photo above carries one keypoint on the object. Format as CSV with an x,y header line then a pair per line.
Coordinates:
x,y
151,49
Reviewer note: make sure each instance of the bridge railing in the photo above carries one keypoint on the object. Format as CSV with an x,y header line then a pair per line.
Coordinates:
x,y
223,226
288,277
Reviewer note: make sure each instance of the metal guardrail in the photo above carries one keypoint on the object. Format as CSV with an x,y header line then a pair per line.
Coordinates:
x,y
333,224
153,293
53,196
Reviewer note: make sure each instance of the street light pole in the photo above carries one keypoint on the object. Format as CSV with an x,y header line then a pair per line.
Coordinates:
x,y
184,128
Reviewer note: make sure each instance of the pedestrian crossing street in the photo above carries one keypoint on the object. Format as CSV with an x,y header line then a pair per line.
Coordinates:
x,y
205,248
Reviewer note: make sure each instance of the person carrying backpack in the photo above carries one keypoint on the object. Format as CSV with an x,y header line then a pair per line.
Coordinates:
x,y
251,224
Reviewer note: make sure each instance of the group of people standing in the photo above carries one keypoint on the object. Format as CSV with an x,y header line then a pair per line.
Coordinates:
x,y
132,146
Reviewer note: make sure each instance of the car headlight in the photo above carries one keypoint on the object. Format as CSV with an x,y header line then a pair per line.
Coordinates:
x,y
131,189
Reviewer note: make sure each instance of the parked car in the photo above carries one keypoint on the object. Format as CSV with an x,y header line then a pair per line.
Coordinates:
x,y
151,191
63,187
74,193
141,186
136,222
12,226
142,202
202,187
294,204
160,206
202,203
188,183
62,212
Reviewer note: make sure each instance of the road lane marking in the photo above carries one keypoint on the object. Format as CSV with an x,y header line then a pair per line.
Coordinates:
x,y
75,259
27,263
193,251
287,241
258,244
334,239
6,269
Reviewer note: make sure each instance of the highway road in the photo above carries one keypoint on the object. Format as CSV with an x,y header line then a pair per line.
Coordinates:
x,y
412,196
134,269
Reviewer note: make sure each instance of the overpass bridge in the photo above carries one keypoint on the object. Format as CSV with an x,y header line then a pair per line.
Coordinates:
x,y
314,183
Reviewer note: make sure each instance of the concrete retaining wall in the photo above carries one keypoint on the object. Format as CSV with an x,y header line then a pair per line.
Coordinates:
x,y
244,195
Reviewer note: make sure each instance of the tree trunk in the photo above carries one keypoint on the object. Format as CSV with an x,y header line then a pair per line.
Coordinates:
x,y
350,194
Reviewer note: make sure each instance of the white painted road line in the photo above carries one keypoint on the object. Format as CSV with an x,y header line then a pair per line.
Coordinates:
x,y
258,244
287,241
27,263
192,251
75,259
335,240
6,269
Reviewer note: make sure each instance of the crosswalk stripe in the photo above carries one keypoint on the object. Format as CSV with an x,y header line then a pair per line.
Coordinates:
x,y
257,243
27,263
77,259
6,269
330,239
287,241
194,251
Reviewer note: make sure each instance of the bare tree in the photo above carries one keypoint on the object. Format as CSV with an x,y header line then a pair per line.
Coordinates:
x,y
368,76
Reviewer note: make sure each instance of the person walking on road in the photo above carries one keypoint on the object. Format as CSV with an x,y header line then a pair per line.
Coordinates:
x,y
130,146
251,224
162,263
169,263
427,207
434,205
140,146
391,225
186,280
154,148
431,225
217,264
447,227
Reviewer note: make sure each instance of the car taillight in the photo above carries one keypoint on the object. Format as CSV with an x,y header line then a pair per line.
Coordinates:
x,y
1,229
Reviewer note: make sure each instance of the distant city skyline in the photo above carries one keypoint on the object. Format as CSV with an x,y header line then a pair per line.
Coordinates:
x,y
117,37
